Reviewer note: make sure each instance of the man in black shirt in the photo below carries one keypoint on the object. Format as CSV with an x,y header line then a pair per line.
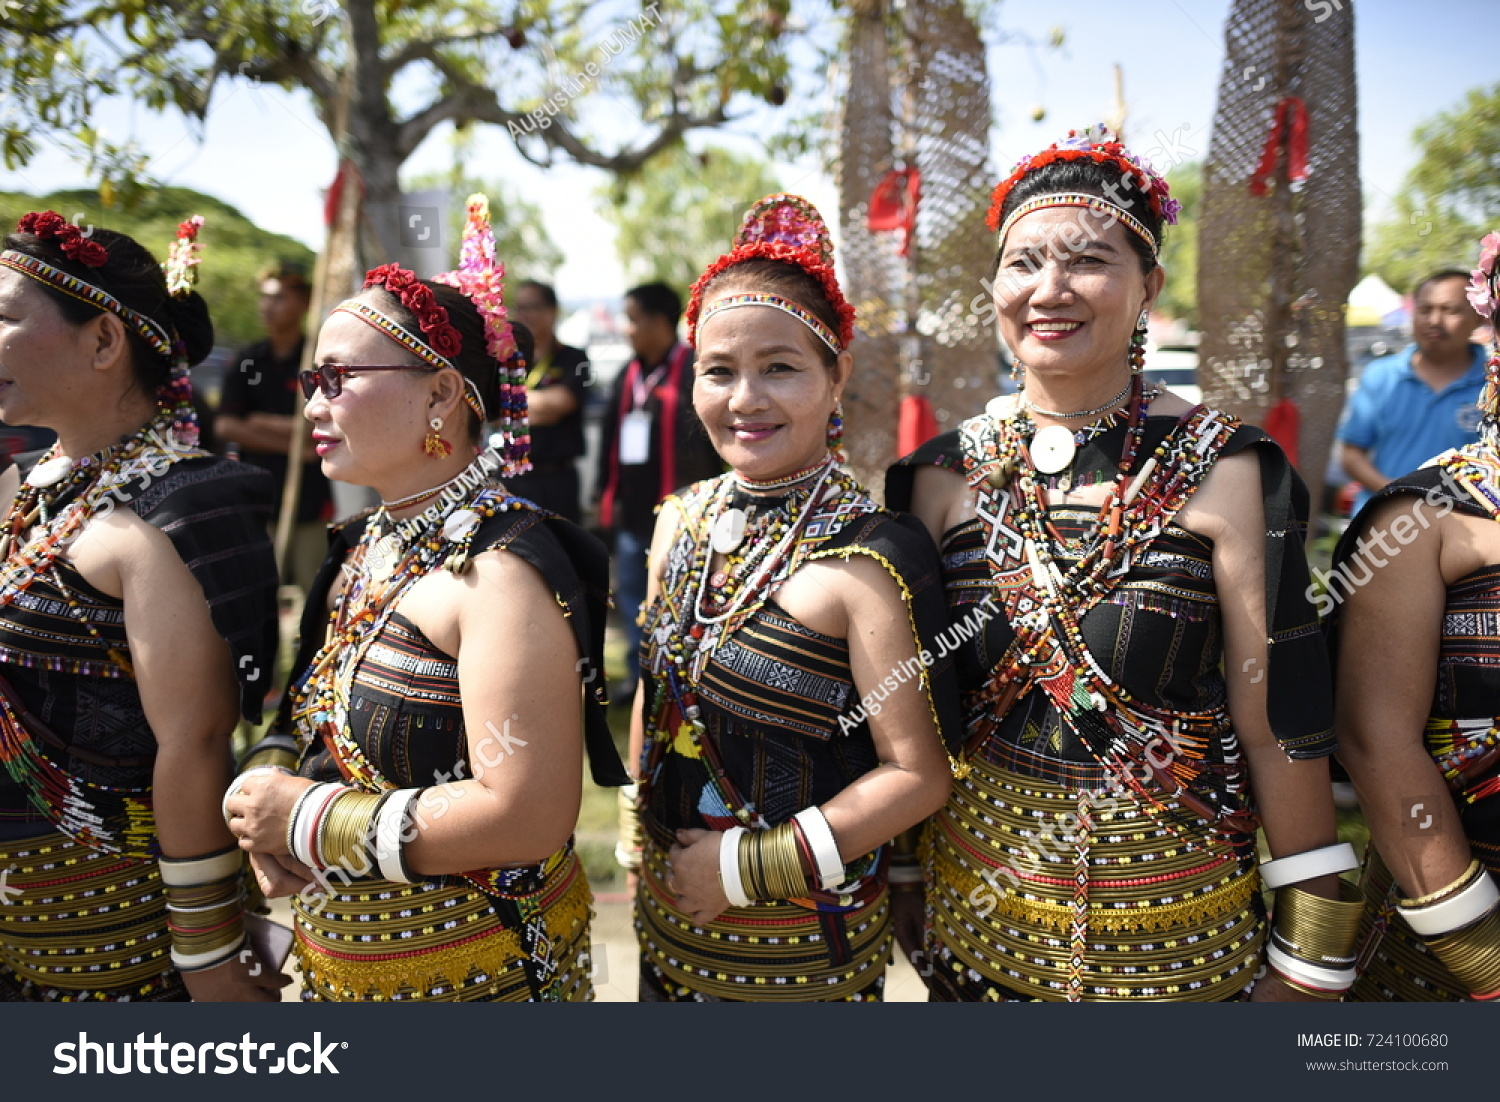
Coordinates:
x,y
555,393
653,444
257,414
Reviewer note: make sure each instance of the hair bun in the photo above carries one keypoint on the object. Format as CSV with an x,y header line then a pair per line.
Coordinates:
x,y
190,318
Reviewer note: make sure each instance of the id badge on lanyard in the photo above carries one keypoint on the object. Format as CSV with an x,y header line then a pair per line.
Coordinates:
x,y
635,426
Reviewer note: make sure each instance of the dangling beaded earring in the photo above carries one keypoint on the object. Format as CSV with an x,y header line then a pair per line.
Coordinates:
x,y
434,445
1138,345
1018,375
836,431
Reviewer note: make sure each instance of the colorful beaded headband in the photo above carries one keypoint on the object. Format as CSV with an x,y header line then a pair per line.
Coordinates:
x,y
180,273
786,306
780,227
481,278
1484,296
413,344
1100,145
1079,199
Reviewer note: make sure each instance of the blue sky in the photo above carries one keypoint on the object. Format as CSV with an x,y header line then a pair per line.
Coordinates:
x,y
264,152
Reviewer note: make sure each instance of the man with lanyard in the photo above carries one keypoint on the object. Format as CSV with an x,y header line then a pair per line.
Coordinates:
x,y
653,445
256,415
1423,400
555,393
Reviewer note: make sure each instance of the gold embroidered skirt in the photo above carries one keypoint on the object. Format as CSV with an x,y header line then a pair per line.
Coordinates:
x,y
80,925
447,941
772,951
1036,891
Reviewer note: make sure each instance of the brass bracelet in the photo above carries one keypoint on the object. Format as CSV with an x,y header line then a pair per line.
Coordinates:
x,y
771,865
1318,930
1472,954
1474,870
1323,996
904,845
345,834
632,838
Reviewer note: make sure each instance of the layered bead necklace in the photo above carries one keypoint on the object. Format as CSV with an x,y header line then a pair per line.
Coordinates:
x,y
389,558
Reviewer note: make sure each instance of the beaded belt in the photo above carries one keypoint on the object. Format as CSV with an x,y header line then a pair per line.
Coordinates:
x,y
85,926
445,941
1043,890
767,952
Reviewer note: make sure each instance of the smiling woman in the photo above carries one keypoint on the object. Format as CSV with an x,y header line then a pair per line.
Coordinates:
x,y
1147,556
780,595
137,616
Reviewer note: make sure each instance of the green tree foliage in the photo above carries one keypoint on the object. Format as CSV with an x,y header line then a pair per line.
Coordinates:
x,y
1449,199
235,251
1179,254
675,218
604,84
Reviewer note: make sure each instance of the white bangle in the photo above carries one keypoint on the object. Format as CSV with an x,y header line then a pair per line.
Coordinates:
x,y
234,785
824,846
1304,866
198,962
390,825
729,867
1324,979
305,829
189,872
1455,912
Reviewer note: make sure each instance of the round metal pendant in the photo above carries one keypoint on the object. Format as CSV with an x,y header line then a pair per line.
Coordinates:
x,y
729,530
50,473
1053,449
383,557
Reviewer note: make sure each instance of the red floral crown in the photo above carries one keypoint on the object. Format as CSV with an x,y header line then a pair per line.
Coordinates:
x,y
417,297
781,227
1100,145
74,243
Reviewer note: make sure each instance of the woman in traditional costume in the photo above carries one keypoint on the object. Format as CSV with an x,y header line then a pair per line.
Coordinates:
x,y
449,678
792,697
1155,683
1416,585
137,624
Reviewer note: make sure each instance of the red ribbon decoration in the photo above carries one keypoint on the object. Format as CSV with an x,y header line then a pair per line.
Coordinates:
x,y
1290,126
893,204
917,424
1284,425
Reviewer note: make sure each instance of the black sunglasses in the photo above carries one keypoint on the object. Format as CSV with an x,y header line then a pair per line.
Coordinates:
x,y
329,378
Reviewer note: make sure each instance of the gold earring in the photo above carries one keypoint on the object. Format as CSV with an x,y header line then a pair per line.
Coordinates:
x,y
434,445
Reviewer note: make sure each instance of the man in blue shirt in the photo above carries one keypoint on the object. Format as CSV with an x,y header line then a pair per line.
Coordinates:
x,y
1423,400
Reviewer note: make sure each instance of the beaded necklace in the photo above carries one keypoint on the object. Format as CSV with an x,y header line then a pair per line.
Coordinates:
x,y
54,503
364,607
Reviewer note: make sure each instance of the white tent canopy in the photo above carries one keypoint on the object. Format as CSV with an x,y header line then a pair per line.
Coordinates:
x,y
1371,301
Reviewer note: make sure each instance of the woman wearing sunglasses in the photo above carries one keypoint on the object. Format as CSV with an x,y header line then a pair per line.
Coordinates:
x,y
447,684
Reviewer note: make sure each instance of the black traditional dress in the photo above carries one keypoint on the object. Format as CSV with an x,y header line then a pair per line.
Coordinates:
x,y
77,835
1462,732
1099,842
511,934
764,722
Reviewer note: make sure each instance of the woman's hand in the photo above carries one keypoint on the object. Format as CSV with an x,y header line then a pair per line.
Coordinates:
x,y
241,979
260,808
280,874
694,875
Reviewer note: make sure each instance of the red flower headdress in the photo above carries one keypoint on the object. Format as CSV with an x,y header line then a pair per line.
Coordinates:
x,y
432,317
781,227
1100,145
74,243
481,278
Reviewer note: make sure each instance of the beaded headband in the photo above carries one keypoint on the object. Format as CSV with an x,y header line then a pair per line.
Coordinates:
x,y
481,278
1100,145
1079,199
180,273
786,306
413,344
780,227
1484,296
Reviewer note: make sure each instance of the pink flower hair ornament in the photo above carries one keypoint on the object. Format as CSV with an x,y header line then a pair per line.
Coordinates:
x,y
480,277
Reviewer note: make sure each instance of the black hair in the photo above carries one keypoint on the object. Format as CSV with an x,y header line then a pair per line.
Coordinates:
x,y
658,300
784,279
1091,178
132,275
1437,276
473,361
546,290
